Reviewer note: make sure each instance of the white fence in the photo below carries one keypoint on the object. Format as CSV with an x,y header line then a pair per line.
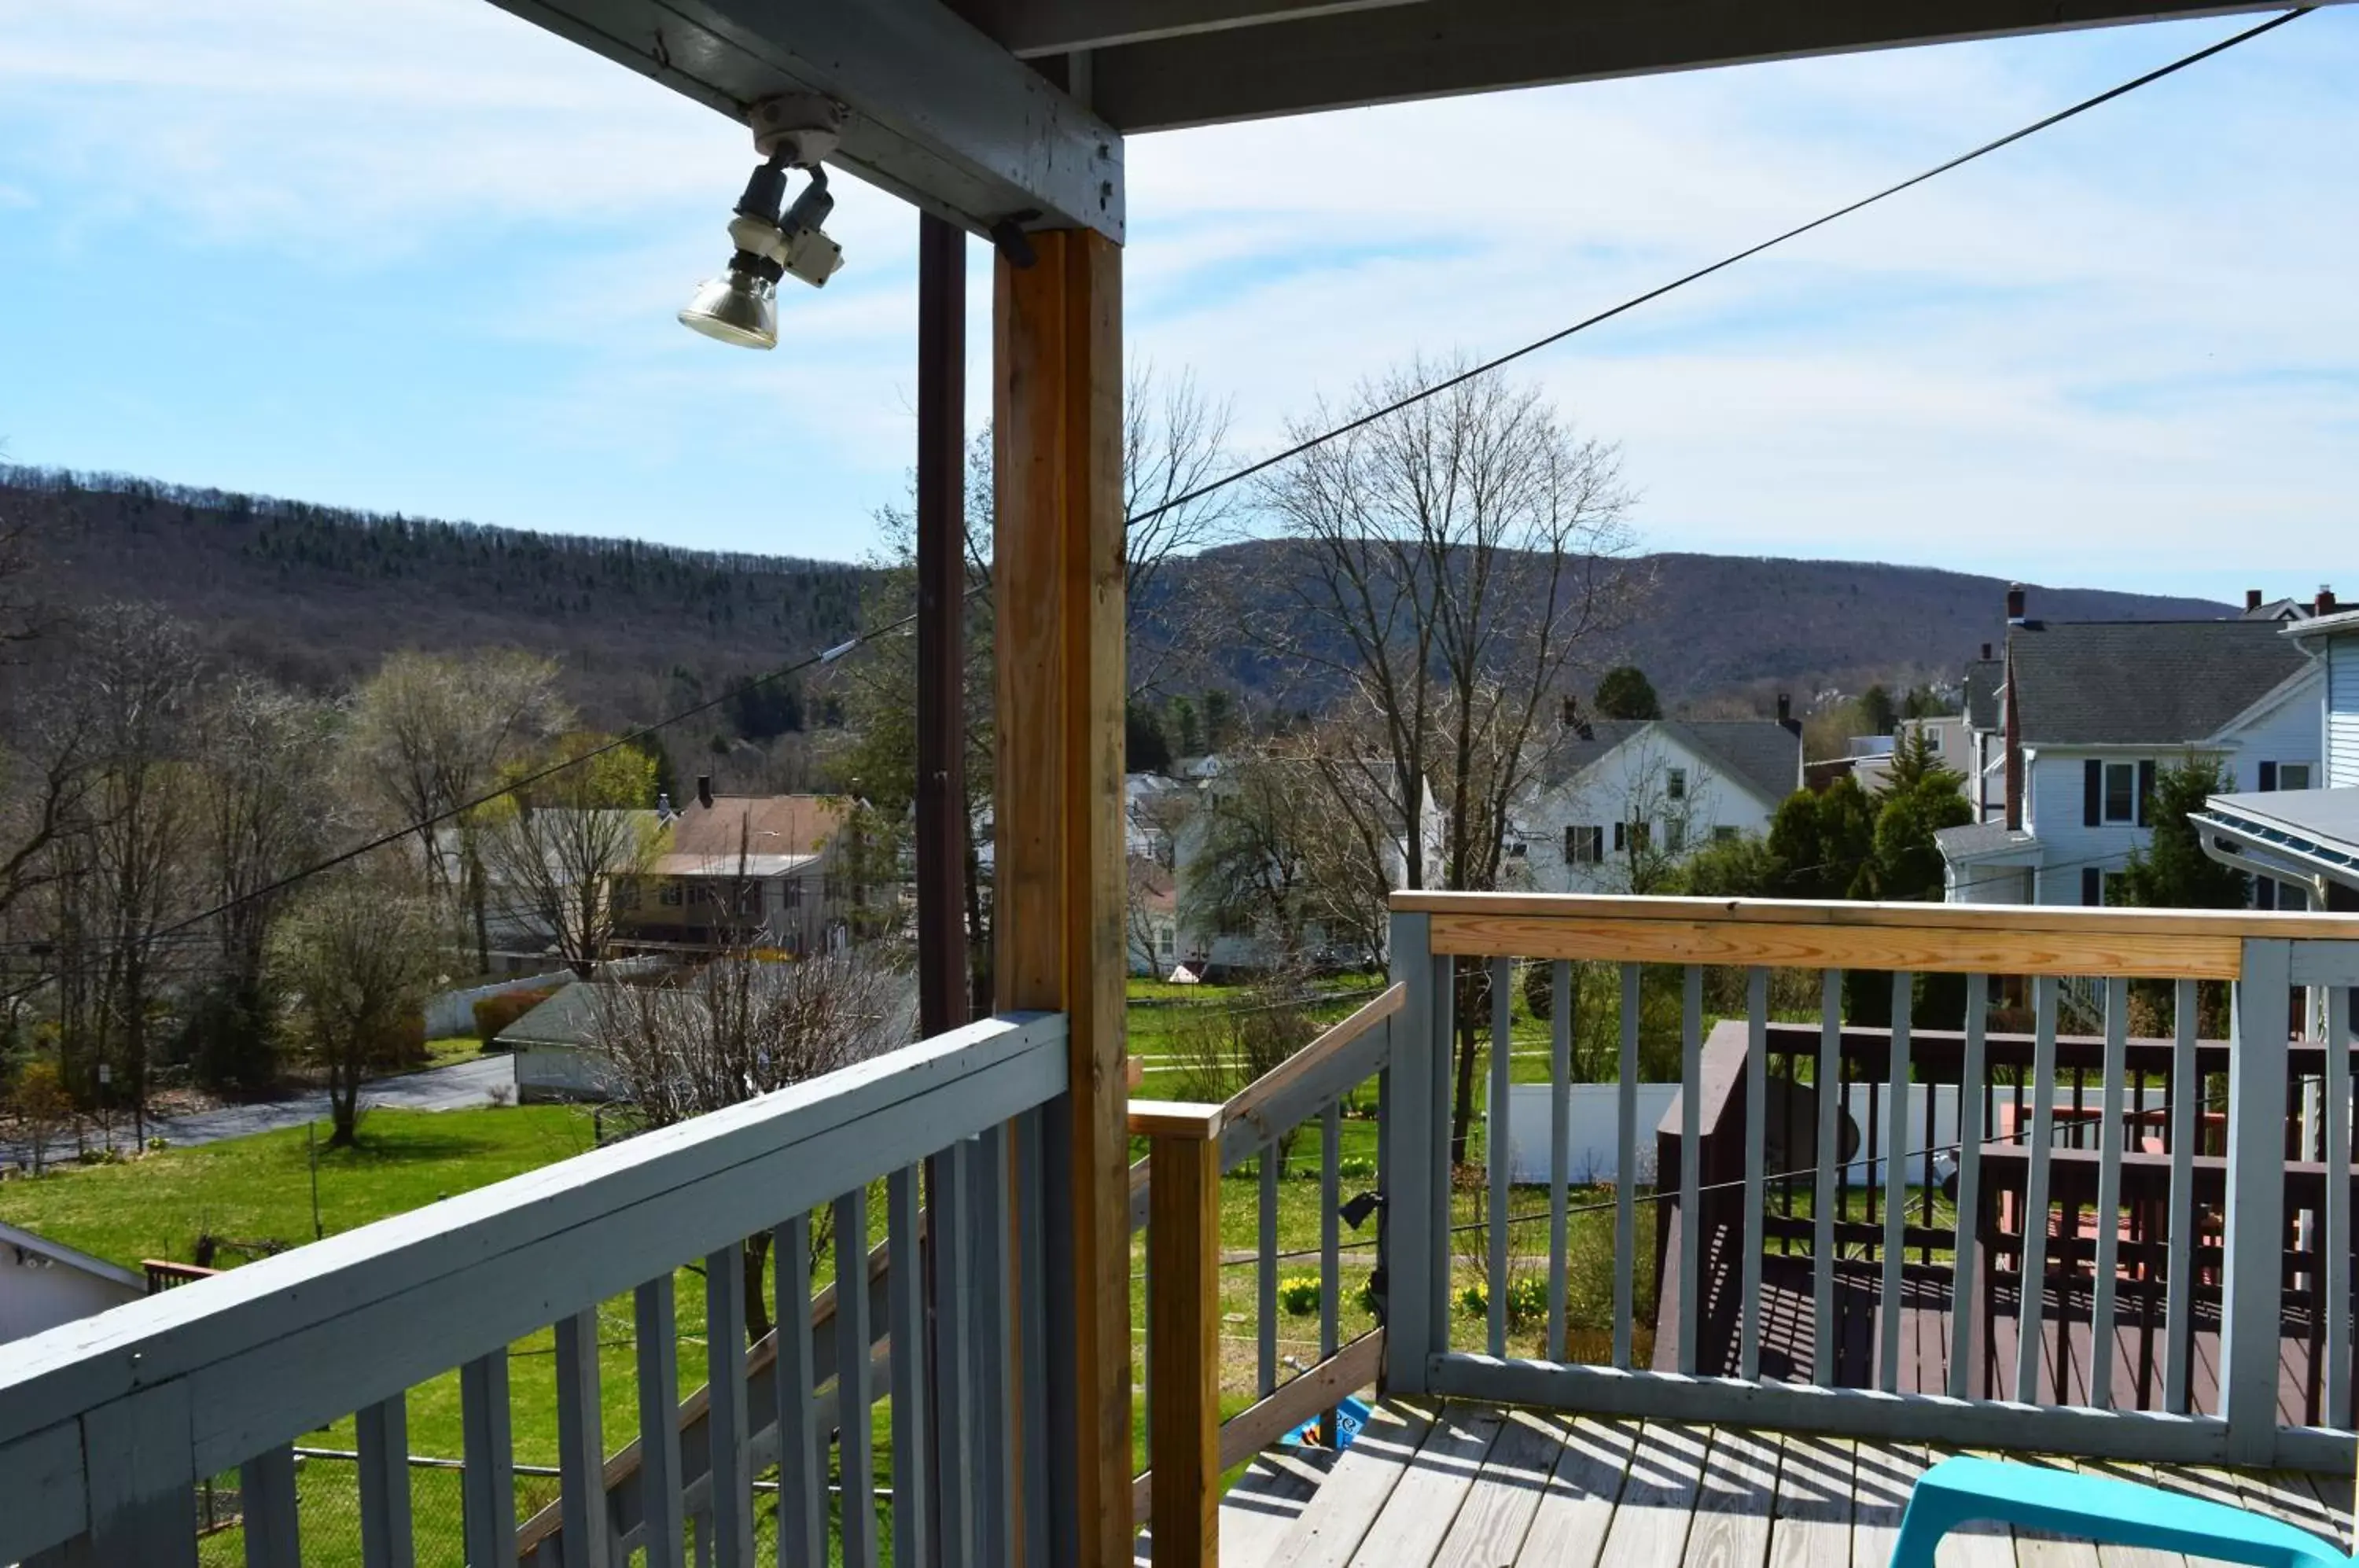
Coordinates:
x,y
453,1012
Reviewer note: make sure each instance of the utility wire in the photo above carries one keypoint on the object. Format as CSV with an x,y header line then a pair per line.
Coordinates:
x,y
2082,107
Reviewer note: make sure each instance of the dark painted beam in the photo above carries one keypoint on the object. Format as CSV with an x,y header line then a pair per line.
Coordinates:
x,y
1033,28
939,113
1405,52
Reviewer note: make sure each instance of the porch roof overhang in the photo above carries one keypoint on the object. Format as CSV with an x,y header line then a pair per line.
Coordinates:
x,y
2309,836
1989,843
986,111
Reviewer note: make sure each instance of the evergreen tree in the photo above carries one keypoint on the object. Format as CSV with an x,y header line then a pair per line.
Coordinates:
x,y
2173,872
1625,692
1876,710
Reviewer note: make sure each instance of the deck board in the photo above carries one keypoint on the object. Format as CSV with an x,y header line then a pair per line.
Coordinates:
x,y
1474,1487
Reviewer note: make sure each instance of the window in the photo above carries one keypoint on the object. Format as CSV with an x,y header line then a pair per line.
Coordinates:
x,y
1517,850
2092,885
1163,942
1675,784
2293,775
1724,833
1584,845
2110,889
1628,836
2121,791
1675,837
671,895
794,894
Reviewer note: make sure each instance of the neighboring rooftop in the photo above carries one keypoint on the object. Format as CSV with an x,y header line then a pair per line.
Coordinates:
x,y
1981,841
2142,682
759,824
1760,755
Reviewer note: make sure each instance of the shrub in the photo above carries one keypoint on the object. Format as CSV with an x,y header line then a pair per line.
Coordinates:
x,y
494,1013
1526,1300
1297,1295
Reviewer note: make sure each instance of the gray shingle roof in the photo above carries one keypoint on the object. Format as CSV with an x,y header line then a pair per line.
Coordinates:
x,y
1978,839
1758,755
1983,677
2142,682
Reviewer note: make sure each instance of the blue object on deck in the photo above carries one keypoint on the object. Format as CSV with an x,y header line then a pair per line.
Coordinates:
x,y
2091,1507
1350,1414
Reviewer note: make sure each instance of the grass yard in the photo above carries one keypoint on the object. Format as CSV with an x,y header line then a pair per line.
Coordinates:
x,y
450,1051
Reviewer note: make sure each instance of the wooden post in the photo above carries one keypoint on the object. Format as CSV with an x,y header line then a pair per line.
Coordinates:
x,y
1059,872
1183,1356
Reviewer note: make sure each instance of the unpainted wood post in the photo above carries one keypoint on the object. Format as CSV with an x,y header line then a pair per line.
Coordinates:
x,y
1411,1181
1183,1357
1059,882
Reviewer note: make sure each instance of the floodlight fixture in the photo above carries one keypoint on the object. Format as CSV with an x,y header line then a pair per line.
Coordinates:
x,y
740,307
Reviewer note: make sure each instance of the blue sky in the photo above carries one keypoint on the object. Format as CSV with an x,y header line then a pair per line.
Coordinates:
x,y
419,256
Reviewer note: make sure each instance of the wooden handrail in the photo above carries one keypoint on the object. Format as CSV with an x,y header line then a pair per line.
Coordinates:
x,y
1974,938
1266,1089
1311,1393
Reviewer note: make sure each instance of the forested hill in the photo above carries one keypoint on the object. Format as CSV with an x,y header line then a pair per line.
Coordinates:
x,y
318,594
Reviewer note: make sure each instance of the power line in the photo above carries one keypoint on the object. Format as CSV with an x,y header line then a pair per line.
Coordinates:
x,y
1460,379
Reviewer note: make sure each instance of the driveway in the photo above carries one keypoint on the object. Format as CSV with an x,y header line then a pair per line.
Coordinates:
x,y
454,1088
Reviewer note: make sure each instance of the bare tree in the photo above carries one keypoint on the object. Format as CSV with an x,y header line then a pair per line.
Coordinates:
x,y
355,956
433,731
742,1028
1174,443
560,846
1453,560
265,806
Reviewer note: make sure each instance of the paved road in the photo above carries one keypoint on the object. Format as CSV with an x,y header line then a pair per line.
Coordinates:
x,y
436,1089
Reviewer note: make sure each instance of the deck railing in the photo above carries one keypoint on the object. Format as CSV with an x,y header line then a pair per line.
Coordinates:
x,y
107,1426
1867,1278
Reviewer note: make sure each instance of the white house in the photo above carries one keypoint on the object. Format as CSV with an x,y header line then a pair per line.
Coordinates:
x,y
44,1283
1950,735
2304,842
1619,791
2088,714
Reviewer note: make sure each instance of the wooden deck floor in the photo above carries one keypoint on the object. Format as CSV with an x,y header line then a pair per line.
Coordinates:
x,y
1465,1486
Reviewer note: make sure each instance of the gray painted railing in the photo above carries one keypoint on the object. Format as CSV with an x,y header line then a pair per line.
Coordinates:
x,y
106,1425
1852,1248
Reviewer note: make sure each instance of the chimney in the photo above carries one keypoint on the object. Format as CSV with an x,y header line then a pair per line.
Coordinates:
x,y
1785,714
2325,606
1986,653
2252,600
704,791
2014,599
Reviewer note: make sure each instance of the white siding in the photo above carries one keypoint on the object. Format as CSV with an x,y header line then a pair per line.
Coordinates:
x,y
38,1293
2342,712
2289,732
1630,780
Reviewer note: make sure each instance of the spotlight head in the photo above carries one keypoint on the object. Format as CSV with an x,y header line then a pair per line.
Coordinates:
x,y
738,306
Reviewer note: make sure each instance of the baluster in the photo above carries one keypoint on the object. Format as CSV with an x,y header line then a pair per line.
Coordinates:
x,y
954,1371
1690,1164
1560,1148
2252,1300
802,1454
854,1463
2179,1243
1269,1167
1626,1168
1895,1178
657,1328
582,1442
2338,1206
992,1224
383,1438
2109,1193
1756,1132
2034,1267
728,1424
1330,1242
904,1281
1823,1203
487,1485
1973,1101
267,1487
1495,1145
1041,1441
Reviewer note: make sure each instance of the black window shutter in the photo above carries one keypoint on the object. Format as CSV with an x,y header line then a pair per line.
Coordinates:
x,y
2268,776
2092,886
2093,792
2145,792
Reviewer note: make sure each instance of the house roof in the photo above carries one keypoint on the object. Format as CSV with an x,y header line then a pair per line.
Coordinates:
x,y
563,1019
1981,841
1983,677
1759,755
763,824
2342,622
72,1257
2142,682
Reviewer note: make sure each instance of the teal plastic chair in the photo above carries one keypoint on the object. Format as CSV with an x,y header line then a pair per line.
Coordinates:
x,y
2092,1507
